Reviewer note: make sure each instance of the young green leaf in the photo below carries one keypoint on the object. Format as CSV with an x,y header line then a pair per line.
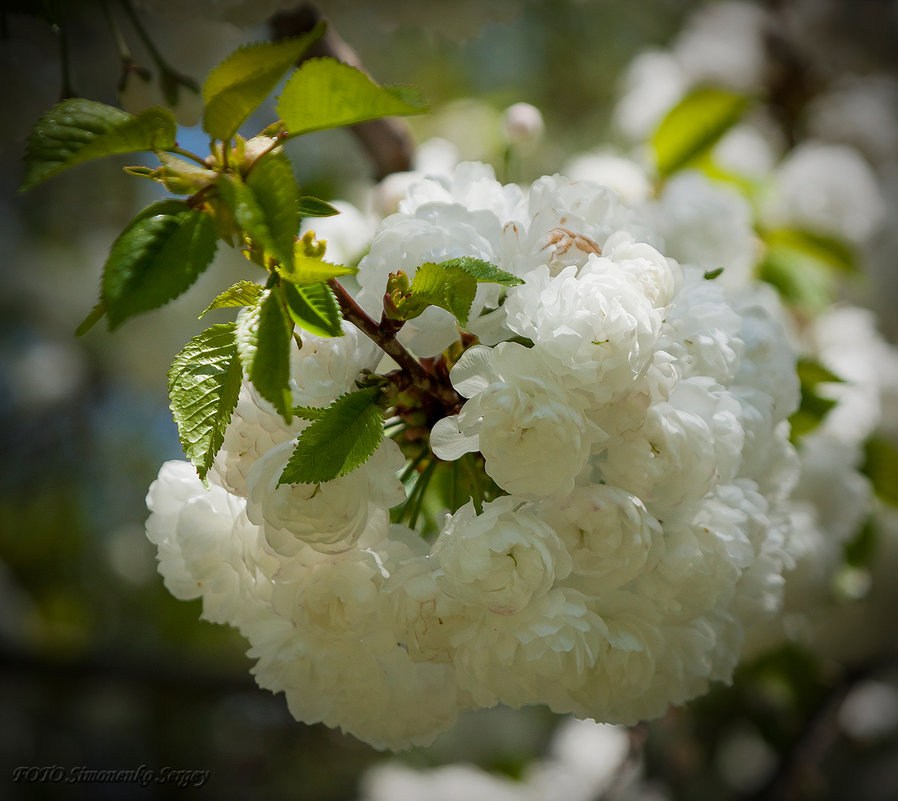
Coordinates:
x,y
694,125
313,207
203,386
263,344
182,177
237,86
881,467
451,285
814,406
156,258
310,270
433,286
272,181
262,223
482,271
325,93
243,293
337,442
77,130
314,308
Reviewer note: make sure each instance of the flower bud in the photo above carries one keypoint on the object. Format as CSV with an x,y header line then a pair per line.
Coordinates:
x,y
523,124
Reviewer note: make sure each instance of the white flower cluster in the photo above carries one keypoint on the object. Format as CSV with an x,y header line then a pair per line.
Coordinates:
x,y
707,224
632,415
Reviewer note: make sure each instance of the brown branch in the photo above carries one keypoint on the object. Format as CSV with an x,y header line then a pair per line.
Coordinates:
x,y
385,337
387,141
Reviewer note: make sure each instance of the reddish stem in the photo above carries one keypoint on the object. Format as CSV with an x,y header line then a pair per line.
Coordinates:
x,y
385,337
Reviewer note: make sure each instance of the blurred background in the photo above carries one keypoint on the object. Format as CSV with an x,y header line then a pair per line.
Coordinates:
x,y
100,666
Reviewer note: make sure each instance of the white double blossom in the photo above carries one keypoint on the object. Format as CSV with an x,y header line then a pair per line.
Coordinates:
x,y
499,560
630,418
704,223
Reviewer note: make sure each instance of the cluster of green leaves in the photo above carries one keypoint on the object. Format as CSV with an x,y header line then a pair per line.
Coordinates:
x,y
245,194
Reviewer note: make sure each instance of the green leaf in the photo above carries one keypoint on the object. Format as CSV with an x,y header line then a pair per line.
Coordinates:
x,y
451,285
156,258
337,442
243,293
811,373
881,467
310,412
313,207
860,549
813,407
263,344
237,86
828,251
314,308
203,386
809,415
800,281
324,93
271,179
481,270
262,223
804,265
694,125
433,286
96,314
310,270
77,130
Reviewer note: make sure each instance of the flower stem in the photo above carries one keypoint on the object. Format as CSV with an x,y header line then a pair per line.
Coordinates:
x,y
453,487
407,473
420,489
471,470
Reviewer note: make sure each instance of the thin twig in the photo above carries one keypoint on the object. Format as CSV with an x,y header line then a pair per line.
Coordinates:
x,y
67,89
387,341
422,482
